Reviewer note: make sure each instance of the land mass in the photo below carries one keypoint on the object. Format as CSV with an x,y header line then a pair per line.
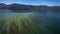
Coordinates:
x,y
16,6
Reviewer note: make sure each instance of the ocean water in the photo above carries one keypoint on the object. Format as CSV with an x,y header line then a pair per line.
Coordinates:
x,y
31,21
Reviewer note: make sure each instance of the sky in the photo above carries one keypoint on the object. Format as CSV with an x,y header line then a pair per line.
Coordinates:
x,y
33,2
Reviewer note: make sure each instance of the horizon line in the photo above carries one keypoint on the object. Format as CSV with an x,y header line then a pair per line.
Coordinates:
x,y
29,4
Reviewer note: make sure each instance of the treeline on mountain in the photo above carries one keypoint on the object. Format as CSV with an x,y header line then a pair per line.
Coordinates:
x,y
16,6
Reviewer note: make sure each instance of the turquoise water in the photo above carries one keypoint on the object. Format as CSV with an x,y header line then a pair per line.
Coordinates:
x,y
51,20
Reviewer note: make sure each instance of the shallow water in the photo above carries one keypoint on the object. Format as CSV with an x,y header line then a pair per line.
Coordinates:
x,y
45,21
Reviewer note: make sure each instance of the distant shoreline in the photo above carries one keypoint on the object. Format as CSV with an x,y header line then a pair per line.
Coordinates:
x,y
29,7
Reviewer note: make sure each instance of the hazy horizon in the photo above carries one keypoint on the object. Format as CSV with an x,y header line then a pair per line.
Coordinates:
x,y
33,2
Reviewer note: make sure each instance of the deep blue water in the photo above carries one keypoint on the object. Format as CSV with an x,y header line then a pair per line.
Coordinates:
x,y
48,13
